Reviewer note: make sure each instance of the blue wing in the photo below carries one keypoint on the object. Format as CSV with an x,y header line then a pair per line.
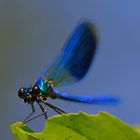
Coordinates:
x,y
76,56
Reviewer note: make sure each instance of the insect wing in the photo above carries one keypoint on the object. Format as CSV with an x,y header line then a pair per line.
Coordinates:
x,y
76,56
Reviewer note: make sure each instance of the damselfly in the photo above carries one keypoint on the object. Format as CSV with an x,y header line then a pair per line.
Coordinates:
x,y
69,67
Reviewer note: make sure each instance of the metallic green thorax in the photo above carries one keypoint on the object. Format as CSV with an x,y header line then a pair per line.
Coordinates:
x,y
44,86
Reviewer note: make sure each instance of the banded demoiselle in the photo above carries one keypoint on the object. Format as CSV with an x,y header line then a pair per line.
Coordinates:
x,y
69,67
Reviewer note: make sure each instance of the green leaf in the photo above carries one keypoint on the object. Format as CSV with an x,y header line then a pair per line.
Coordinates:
x,y
137,128
81,126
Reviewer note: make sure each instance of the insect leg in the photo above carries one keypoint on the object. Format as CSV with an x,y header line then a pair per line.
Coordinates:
x,y
43,110
58,110
33,111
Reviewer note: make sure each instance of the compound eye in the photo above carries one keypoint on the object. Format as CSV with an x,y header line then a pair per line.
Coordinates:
x,y
36,91
21,93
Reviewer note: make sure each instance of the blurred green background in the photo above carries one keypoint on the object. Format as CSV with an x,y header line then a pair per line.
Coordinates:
x,y
32,32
